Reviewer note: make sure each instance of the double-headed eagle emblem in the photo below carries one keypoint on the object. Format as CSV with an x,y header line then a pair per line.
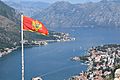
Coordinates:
x,y
37,25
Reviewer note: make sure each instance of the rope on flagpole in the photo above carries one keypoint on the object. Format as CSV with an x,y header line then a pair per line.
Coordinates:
x,y
22,47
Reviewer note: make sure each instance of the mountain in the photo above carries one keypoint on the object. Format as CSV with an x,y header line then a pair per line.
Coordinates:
x,y
9,12
9,33
10,29
29,8
105,13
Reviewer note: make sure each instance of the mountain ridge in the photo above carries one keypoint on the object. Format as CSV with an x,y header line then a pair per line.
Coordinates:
x,y
31,8
9,12
65,14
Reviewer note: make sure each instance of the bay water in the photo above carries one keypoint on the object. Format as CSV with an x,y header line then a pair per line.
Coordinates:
x,y
52,61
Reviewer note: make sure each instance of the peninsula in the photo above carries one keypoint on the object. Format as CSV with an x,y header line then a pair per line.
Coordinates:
x,y
102,62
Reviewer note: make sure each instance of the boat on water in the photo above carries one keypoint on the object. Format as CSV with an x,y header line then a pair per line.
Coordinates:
x,y
37,78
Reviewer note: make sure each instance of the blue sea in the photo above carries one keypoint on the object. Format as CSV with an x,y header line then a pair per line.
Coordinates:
x,y
52,61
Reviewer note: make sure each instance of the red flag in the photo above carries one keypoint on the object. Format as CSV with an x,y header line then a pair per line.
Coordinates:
x,y
34,25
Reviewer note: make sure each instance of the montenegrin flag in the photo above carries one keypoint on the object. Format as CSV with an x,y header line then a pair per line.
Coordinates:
x,y
30,24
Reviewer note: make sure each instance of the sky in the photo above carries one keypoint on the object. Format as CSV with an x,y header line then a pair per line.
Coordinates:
x,y
52,1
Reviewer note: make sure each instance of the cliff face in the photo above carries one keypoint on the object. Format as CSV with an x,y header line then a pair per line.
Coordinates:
x,y
64,14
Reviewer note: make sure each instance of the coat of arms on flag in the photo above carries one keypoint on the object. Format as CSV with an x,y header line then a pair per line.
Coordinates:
x,y
34,25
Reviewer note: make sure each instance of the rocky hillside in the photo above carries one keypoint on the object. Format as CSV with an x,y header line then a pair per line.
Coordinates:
x,y
9,30
9,33
9,12
105,13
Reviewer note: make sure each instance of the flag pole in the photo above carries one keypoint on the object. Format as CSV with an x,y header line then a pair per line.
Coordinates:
x,y
22,50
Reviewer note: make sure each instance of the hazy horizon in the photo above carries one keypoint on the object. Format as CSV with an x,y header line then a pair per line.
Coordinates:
x,y
52,1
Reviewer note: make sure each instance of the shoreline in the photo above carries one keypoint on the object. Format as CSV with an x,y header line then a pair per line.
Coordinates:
x,y
102,62
58,37
7,51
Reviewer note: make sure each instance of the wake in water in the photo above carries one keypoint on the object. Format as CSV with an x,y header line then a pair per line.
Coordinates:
x,y
61,69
